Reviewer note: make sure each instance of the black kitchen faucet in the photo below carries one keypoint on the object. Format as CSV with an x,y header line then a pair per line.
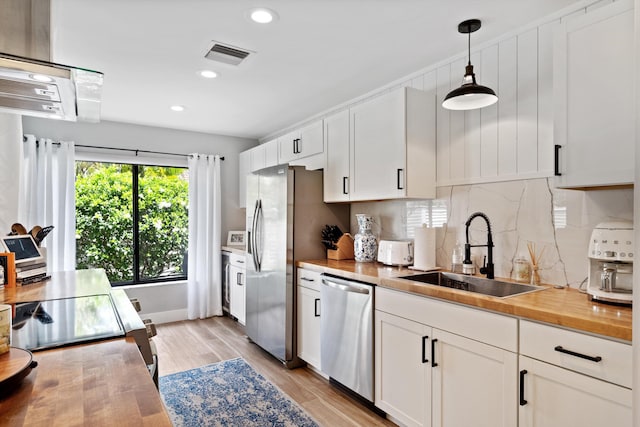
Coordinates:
x,y
488,268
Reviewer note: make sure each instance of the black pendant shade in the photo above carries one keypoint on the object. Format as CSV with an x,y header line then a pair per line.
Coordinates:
x,y
469,95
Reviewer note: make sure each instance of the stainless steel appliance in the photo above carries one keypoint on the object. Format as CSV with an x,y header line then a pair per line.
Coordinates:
x,y
285,216
611,253
346,333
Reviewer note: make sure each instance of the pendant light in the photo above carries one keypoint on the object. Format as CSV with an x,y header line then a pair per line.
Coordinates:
x,y
470,95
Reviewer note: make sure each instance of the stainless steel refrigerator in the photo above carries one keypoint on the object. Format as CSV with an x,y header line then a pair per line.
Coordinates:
x,y
285,216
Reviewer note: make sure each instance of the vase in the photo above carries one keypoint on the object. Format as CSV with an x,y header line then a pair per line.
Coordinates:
x,y
365,244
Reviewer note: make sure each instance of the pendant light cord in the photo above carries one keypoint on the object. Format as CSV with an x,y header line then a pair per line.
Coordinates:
x,y
469,44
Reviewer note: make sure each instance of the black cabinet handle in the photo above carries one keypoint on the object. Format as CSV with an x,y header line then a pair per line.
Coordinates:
x,y
239,279
580,355
316,308
400,186
424,349
556,160
433,353
296,146
306,279
345,180
522,399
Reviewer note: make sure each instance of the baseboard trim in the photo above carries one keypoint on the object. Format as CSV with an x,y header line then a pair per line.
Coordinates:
x,y
166,316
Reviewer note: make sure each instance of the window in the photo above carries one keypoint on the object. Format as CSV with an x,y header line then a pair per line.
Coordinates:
x,y
132,220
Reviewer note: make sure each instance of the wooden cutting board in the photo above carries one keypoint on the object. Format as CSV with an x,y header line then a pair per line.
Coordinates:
x,y
14,366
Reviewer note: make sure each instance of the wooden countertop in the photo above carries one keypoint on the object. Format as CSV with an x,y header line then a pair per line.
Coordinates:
x,y
101,384
563,307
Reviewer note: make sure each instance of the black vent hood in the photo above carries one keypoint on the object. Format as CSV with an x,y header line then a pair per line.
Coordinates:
x,y
44,89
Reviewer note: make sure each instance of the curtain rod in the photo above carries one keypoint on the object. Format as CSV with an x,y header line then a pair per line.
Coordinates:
x,y
131,150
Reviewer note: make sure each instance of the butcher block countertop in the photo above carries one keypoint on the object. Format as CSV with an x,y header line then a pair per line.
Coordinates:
x,y
565,307
100,384
104,383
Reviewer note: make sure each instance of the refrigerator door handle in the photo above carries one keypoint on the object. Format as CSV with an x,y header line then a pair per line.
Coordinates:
x,y
252,237
258,236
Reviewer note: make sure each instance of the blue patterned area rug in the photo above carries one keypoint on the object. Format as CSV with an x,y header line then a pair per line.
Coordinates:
x,y
228,393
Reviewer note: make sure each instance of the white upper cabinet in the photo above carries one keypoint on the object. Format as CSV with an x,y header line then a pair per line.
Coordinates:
x,y
244,165
594,101
271,153
301,143
336,171
258,158
392,146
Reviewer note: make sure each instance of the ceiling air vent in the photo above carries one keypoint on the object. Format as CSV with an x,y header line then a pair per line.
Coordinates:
x,y
226,53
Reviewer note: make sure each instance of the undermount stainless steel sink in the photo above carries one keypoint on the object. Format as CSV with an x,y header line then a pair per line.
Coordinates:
x,y
478,285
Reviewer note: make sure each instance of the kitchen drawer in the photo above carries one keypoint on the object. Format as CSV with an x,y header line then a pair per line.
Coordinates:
x,y
237,260
490,328
309,279
549,344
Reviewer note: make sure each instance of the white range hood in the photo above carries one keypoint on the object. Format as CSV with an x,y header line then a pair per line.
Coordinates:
x,y
32,87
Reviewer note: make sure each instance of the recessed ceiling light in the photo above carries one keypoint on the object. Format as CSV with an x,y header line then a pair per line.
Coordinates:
x,y
177,108
41,78
262,15
208,74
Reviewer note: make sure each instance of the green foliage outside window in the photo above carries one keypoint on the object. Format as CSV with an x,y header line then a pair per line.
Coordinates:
x,y
105,220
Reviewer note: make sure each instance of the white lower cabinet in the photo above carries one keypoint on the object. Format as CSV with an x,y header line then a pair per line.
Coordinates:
x,y
557,397
428,376
402,370
237,274
570,379
309,317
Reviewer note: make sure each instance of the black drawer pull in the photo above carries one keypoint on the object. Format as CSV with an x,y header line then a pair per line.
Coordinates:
x,y
433,353
522,399
424,349
345,180
400,184
306,279
316,308
556,160
580,355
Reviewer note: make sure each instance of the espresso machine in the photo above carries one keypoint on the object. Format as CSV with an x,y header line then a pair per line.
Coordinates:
x,y
611,252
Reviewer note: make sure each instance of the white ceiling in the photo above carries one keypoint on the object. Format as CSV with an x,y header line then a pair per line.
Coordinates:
x,y
318,54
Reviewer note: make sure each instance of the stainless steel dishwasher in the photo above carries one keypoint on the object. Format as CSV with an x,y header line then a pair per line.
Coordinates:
x,y
346,333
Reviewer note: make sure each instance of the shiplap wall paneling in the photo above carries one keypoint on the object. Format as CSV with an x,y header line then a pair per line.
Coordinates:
x,y
456,126
527,104
472,145
507,107
488,72
443,152
545,97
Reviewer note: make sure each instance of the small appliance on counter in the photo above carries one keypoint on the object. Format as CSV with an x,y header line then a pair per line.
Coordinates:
x,y
395,252
611,252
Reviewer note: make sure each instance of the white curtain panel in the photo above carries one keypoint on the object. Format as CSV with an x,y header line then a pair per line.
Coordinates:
x,y
48,198
204,274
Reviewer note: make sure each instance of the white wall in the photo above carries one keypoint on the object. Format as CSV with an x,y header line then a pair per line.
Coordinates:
x,y
10,170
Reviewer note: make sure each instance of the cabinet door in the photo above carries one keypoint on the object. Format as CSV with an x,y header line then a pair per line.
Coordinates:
x,y
311,140
309,326
402,369
556,397
594,111
271,153
336,172
237,303
258,159
244,165
474,384
378,148
288,147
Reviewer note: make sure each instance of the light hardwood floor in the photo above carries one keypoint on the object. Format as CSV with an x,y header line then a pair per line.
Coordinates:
x,y
190,344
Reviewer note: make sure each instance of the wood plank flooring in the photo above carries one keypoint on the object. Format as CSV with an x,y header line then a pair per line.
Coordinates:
x,y
193,343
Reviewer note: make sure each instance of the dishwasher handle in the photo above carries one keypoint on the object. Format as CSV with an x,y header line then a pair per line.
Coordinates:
x,y
346,285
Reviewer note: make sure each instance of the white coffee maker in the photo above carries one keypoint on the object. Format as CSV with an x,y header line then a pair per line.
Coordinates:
x,y
611,253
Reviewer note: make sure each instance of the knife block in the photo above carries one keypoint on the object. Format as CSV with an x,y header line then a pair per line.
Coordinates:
x,y
345,248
